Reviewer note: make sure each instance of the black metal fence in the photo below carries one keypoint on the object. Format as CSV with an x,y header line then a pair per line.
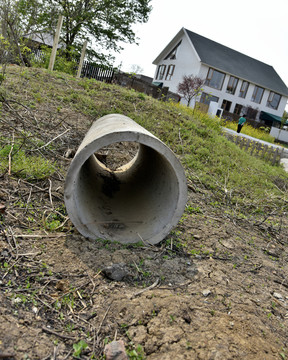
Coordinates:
x,y
110,75
97,72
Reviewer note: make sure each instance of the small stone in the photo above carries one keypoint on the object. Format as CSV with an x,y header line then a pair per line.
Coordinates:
x,y
62,285
70,153
35,310
16,301
116,272
4,253
2,209
206,292
278,296
115,351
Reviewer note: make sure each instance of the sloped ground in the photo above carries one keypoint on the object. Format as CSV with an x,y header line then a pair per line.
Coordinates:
x,y
215,288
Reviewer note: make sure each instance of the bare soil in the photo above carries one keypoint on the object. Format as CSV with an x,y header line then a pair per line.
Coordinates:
x,y
215,288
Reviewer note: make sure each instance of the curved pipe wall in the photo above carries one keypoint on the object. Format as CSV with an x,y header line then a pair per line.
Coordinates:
x,y
141,201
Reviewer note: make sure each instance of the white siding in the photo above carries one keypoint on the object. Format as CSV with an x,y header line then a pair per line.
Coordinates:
x,y
187,62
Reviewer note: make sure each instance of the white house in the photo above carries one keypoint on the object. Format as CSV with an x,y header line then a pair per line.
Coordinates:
x,y
234,80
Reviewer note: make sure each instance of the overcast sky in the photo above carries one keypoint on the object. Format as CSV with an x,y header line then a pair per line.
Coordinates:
x,y
257,28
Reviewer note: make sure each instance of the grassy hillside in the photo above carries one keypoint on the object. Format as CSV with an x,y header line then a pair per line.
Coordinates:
x,y
219,278
196,138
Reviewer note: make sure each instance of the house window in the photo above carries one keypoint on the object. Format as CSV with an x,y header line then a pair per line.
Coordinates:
x,y
161,72
215,79
238,109
173,52
206,98
226,105
273,100
170,72
232,84
257,94
243,89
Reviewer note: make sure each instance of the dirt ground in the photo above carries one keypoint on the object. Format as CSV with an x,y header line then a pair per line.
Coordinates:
x,y
223,296
215,288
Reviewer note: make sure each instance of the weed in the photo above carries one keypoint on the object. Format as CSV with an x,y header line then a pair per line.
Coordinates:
x,y
172,319
193,210
137,353
134,352
78,348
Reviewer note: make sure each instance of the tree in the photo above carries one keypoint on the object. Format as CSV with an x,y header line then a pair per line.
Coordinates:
x,y
136,69
284,119
190,87
11,31
105,24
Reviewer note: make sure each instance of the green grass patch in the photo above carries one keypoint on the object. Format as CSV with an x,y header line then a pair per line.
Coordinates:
x,y
19,162
249,130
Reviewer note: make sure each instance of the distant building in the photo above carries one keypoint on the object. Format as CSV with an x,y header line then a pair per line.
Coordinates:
x,y
36,40
233,80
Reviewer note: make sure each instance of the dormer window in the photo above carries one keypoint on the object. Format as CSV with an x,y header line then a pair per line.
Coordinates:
x,y
173,52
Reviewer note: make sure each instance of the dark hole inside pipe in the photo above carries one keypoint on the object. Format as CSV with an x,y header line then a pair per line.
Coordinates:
x,y
127,191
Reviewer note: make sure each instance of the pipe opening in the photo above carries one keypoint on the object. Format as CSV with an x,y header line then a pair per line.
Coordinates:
x,y
133,202
124,184
117,156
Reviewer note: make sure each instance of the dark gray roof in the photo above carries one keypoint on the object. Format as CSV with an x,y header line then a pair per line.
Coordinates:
x,y
231,61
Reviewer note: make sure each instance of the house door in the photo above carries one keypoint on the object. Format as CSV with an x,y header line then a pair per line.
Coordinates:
x,y
226,105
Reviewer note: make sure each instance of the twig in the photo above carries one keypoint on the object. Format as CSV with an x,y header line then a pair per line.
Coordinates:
x,y
15,244
49,142
9,156
38,236
57,334
50,192
6,356
27,183
146,289
104,317
69,353
7,272
179,134
144,241
28,200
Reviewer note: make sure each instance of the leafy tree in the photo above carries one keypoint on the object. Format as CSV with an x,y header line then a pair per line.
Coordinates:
x,y
104,23
284,120
190,87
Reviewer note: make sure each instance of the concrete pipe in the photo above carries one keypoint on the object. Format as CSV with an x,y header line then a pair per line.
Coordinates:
x,y
139,201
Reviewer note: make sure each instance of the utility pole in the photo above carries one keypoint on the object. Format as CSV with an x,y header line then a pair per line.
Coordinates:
x,y
81,60
55,43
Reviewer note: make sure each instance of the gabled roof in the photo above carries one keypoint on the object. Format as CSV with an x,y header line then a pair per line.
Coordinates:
x,y
235,63
223,58
43,38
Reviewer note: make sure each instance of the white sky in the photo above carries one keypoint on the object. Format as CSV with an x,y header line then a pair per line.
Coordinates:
x,y
257,28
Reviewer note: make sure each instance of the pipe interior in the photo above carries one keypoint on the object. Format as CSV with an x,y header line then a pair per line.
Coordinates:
x,y
130,204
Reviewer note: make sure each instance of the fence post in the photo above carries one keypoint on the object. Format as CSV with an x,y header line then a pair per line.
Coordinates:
x,y
81,60
55,43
